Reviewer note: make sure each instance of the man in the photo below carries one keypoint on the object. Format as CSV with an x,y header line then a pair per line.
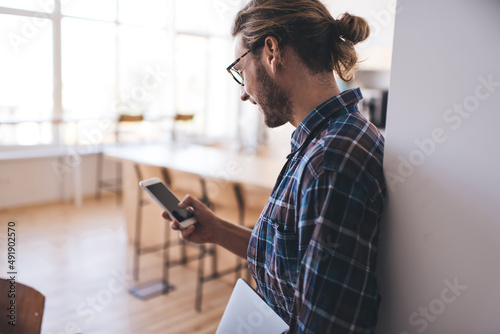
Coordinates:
x,y
313,250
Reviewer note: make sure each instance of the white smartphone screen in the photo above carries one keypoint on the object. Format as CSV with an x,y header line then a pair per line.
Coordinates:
x,y
169,201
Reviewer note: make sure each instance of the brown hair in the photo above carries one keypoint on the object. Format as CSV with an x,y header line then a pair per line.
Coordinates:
x,y
322,42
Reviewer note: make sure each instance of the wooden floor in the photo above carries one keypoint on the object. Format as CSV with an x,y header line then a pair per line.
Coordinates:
x,y
80,259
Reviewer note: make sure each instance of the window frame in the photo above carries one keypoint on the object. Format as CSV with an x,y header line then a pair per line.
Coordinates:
x,y
58,118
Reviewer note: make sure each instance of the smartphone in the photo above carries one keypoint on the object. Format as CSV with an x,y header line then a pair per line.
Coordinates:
x,y
164,197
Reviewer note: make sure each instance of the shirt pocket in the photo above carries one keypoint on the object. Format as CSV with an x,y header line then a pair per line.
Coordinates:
x,y
283,265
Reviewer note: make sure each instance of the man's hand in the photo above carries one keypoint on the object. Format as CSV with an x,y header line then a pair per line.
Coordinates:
x,y
211,229
207,228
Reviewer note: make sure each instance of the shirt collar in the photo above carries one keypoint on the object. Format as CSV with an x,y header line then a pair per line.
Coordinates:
x,y
327,109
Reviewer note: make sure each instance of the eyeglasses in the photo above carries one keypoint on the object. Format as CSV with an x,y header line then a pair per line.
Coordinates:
x,y
237,75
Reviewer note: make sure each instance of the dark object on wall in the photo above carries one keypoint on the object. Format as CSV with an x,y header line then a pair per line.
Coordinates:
x,y
377,107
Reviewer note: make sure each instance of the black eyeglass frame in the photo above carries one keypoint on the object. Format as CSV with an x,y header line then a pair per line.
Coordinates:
x,y
231,68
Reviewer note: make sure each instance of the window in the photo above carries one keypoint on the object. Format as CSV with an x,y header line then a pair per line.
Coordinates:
x,y
88,68
104,10
46,6
26,82
145,72
156,13
191,76
73,66
219,122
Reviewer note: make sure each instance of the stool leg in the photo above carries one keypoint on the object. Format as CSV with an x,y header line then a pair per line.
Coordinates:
x,y
166,258
183,252
137,247
200,279
213,252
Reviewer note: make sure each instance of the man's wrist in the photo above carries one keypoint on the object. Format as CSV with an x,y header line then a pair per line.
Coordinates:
x,y
220,232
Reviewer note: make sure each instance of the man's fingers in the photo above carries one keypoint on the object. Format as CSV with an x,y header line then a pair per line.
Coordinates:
x,y
186,233
190,201
174,225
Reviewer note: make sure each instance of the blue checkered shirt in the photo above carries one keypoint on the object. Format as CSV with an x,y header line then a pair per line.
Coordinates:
x,y
313,250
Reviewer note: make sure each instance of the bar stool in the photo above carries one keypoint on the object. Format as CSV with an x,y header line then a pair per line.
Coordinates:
x,y
195,185
157,287
143,200
183,183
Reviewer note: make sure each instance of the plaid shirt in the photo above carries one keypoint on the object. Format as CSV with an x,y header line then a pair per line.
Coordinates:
x,y
313,250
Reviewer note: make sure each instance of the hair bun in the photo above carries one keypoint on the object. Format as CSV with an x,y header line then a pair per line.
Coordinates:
x,y
352,28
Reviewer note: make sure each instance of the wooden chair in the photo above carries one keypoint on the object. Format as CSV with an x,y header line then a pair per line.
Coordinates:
x,y
185,183
145,172
240,204
227,202
181,184
29,305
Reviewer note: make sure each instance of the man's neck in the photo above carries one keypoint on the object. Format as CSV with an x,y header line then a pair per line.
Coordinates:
x,y
308,92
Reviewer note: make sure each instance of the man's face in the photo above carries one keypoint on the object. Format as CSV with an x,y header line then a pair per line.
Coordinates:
x,y
260,88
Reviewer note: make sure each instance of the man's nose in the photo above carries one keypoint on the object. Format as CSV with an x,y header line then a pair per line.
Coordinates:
x,y
243,94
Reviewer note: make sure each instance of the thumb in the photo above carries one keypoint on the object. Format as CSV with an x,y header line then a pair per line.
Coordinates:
x,y
190,201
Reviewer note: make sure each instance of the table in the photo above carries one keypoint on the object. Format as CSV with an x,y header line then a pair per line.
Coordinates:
x,y
205,161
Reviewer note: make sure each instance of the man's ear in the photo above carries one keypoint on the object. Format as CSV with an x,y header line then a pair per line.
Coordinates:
x,y
272,53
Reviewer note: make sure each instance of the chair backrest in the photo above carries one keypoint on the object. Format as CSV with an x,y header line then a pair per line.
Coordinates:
x,y
28,311
181,126
144,172
255,199
183,183
130,118
220,191
183,117
124,125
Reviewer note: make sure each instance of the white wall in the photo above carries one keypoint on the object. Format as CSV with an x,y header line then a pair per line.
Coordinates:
x,y
440,242
25,182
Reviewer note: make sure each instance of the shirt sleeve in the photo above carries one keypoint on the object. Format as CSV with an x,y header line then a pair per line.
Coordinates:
x,y
336,288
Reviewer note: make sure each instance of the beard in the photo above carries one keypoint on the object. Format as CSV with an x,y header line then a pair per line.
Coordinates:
x,y
273,102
